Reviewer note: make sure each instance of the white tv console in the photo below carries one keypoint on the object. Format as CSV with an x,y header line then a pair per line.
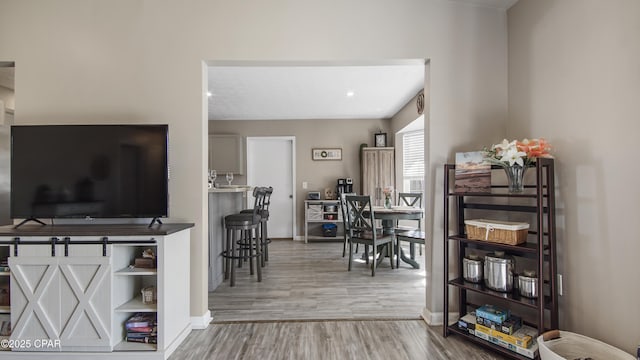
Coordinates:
x,y
72,290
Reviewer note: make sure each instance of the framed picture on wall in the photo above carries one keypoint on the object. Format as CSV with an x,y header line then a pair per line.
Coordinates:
x,y
380,139
326,154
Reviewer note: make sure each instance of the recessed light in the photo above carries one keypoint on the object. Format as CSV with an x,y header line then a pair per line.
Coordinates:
x,y
350,93
209,94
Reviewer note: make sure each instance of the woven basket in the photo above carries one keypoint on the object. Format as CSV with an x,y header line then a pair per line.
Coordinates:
x,y
503,232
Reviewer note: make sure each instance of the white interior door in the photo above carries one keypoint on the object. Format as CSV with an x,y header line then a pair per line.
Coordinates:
x,y
271,162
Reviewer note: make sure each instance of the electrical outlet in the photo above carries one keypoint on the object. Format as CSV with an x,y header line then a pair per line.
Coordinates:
x,y
560,284
305,185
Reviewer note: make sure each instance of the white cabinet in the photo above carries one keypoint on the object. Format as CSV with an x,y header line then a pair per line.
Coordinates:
x,y
378,172
321,212
80,294
225,154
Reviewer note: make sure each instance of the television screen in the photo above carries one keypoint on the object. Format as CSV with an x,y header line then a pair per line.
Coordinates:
x,y
101,171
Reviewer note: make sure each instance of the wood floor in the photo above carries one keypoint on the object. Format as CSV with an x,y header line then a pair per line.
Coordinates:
x,y
326,340
311,281
308,306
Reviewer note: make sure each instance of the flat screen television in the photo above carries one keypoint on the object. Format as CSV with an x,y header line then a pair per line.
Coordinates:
x,y
89,171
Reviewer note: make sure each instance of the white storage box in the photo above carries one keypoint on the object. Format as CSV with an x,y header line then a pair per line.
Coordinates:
x,y
505,232
574,346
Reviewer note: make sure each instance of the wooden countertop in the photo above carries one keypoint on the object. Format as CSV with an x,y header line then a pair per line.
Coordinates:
x,y
93,230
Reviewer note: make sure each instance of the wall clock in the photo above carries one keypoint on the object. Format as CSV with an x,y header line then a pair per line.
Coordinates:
x,y
420,103
380,139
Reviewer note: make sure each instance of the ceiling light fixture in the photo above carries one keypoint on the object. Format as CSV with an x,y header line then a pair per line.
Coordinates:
x,y
209,94
350,93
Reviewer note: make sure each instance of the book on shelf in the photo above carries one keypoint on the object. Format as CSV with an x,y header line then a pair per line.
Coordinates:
x,y
142,329
472,174
141,320
530,352
145,339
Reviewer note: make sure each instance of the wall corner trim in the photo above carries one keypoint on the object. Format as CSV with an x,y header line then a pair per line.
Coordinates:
x,y
201,322
435,318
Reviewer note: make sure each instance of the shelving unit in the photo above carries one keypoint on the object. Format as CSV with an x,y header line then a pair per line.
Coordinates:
x,y
537,202
322,211
128,299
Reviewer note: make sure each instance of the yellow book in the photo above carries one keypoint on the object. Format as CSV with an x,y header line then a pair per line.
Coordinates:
x,y
483,329
522,337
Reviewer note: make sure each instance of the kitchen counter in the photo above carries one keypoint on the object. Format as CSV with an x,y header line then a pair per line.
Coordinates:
x,y
223,200
230,189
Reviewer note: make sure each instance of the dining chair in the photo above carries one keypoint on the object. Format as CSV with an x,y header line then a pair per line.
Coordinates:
x,y
345,223
411,200
362,229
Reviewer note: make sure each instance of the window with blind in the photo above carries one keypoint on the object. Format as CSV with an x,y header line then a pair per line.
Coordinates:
x,y
413,161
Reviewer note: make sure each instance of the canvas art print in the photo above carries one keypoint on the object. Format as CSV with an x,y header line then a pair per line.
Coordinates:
x,y
472,173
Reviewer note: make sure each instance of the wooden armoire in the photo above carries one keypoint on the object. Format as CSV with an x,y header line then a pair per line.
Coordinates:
x,y
377,172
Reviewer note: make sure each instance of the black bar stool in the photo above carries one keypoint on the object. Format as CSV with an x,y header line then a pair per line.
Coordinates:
x,y
264,219
242,239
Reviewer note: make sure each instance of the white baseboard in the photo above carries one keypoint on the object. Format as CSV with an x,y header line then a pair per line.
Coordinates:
x,y
436,318
201,322
298,238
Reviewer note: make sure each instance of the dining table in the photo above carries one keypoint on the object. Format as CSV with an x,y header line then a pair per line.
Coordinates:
x,y
390,217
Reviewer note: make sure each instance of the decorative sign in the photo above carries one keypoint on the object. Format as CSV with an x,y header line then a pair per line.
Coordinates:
x,y
326,154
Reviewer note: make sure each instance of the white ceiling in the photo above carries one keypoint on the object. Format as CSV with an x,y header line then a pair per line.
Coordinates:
x,y
312,91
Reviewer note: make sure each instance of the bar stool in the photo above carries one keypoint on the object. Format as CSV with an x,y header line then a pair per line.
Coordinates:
x,y
241,247
264,219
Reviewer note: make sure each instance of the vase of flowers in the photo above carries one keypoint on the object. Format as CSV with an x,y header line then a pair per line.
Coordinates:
x,y
515,156
387,192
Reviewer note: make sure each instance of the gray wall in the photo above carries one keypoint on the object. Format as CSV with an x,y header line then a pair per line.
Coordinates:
x,y
574,78
333,133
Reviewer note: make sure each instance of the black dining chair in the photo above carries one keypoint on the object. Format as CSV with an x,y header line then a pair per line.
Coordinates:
x,y
362,230
345,222
411,200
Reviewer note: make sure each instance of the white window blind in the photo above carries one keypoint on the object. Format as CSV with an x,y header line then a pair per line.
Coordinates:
x,y
413,155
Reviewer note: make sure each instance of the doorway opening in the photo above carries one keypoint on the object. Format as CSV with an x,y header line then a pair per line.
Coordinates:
x,y
315,282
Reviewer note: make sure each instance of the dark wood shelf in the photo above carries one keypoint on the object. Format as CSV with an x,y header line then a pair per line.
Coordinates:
x,y
537,202
517,208
494,194
499,349
513,296
523,248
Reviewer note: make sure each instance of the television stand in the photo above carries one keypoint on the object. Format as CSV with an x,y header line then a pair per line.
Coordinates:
x,y
27,220
154,220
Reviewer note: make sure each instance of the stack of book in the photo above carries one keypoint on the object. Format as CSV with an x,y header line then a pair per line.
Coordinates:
x,y
499,327
142,328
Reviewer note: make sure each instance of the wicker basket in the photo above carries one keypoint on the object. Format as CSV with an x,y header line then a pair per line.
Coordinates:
x,y
503,232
